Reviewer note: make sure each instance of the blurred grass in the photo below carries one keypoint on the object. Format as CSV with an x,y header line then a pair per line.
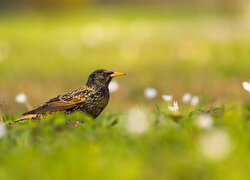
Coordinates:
x,y
48,53
202,52
169,149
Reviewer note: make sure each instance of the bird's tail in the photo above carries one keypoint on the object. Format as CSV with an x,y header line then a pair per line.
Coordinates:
x,y
28,116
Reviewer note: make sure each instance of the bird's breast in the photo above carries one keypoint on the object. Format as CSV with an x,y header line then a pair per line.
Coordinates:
x,y
95,103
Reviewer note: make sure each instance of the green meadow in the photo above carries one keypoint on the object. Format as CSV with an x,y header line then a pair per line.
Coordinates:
x,y
204,53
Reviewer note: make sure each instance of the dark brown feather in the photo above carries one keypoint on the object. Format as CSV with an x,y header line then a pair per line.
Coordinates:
x,y
64,101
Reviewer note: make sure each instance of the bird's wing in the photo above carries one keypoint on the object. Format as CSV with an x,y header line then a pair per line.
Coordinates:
x,y
63,102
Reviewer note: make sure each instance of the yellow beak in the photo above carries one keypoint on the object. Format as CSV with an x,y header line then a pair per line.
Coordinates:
x,y
117,74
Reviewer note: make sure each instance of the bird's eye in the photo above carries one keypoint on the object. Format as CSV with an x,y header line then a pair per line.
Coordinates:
x,y
108,73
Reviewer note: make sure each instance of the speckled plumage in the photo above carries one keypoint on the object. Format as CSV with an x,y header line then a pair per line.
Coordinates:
x,y
90,99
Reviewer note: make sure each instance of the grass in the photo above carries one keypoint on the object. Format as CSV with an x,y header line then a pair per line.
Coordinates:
x,y
170,148
46,54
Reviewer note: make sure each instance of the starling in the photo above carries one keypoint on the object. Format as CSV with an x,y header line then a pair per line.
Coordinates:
x,y
91,98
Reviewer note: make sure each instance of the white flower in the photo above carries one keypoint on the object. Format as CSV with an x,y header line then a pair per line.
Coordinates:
x,y
176,105
113,86
137,121
150,93
246,86
174,108
167,98
194,100
186,98
21,98
215,145
2,130
204,121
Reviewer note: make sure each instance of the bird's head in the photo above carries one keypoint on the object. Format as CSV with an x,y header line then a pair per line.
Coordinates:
x,y
101,78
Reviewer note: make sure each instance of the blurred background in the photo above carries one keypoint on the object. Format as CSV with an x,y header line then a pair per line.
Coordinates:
x,y
48,47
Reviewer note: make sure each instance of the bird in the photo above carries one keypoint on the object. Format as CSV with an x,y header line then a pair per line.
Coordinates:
x,y
91,98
